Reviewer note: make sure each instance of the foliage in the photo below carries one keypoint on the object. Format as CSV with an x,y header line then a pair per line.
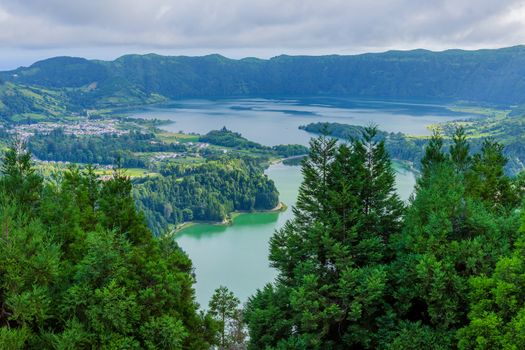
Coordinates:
x,y
22,104
399,145
490,76
105,149
79,268
496,316
506,131
227,138
358,271
332,256
224,307
208,192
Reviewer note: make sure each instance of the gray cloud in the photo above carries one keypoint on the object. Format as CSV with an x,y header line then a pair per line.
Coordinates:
x,y
102,28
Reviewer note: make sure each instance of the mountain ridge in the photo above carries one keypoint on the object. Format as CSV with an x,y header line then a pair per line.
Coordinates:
x,y
492,76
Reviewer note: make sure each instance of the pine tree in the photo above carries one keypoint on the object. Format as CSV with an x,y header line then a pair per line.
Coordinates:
x,y
487,180
79,269
381,204
118,211
224,307
450,234
20,182
433,153
459,150
331,256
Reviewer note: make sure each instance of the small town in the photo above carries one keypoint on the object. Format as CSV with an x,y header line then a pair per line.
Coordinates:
x,y
77,127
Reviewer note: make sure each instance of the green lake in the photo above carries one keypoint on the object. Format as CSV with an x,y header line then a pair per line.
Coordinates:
x,y
237,256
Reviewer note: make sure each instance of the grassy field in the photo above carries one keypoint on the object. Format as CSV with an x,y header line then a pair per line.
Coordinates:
x,y
131,172
170,137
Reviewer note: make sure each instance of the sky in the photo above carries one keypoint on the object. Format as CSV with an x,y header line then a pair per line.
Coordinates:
x,y
31,30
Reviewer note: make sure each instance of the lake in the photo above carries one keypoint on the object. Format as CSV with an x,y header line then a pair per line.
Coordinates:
x,y
237,256
273,122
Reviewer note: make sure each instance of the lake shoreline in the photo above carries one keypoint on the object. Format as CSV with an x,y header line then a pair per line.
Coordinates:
x,y
281,207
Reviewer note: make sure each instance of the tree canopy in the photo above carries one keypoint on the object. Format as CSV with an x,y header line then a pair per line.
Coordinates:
x,y
80,269
359,269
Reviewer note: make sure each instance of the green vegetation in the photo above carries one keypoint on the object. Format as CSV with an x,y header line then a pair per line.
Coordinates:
x,y
486,76
204,192
20,103
105,149
225,308
498,125
357,269
177,178
227,138
399,145
234,140
79,269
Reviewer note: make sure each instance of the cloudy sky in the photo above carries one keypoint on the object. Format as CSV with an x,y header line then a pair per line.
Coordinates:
x,y
105,29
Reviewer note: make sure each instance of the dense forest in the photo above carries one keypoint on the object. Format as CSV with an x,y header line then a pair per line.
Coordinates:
x,y
105,149
398,145
204,192
508,131
235,140
79,269
358,269
488,76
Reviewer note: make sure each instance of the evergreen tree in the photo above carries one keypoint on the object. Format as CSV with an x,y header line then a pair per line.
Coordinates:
x,y
117,208
497,310
450,234
224,307
331,257
19,182
433,153
459,150
79,269
487,180
382,207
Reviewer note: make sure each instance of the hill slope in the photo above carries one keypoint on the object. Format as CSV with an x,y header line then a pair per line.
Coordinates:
x,y
489,76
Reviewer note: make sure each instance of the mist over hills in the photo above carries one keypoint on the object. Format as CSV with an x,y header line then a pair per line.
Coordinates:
x,y
484,76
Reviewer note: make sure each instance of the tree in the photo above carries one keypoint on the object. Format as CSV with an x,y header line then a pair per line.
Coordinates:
x,y
224,307
433,152
459,150
332,256
19,181
381,205
117,208
497,312
79,268
451,233
487,180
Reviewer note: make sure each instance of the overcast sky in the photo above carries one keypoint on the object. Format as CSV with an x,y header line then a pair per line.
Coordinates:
x,y
105,29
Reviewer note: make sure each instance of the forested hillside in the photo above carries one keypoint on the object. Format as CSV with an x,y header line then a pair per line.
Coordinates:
x,y
108,149
486,76
358,269
79,269
206,192
503,128
19,103
398,145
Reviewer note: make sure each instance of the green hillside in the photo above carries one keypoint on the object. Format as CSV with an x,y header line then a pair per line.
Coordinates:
x,y
20,102
487,76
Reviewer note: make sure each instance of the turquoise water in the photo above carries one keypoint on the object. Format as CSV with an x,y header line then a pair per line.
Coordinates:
x,y
237,256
